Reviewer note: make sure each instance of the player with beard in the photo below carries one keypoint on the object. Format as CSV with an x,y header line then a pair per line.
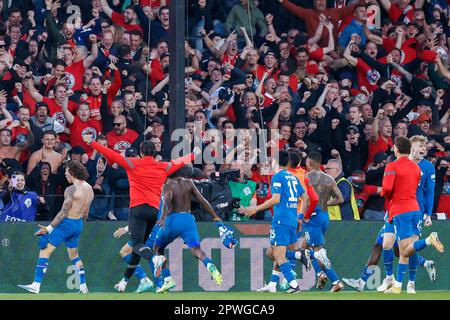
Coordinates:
x,y
121,137
80,125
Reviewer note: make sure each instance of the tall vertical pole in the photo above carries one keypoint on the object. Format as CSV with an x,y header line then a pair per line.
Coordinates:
x,y
177,33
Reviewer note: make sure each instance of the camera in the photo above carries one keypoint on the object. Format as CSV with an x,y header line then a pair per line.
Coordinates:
x,y
225,176
235,203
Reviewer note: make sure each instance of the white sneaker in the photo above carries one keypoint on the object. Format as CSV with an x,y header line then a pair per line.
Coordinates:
x,y
267,288
322,258
358,285
29,287
158,262
145,285
387,283
83,289
121,286
410,288
111,216
167,285
430,266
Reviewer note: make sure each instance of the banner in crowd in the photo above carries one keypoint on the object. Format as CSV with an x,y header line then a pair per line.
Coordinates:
x,y
245,268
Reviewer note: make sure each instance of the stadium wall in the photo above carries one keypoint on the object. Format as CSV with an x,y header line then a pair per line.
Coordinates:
x,y
244,269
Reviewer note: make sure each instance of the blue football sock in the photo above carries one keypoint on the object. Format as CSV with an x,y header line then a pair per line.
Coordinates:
x,y
421,261
275,276
412,266
331,274
139,272
206,260
165,272
316,266
41,269
293,264
419,245
80,271
290,255
401,269
286,269
365,274
388,256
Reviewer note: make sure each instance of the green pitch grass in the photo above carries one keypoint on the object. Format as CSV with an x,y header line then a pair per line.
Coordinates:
x,y
345,295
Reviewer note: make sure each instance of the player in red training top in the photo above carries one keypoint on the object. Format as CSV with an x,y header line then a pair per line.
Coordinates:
x,y
399,187
146,177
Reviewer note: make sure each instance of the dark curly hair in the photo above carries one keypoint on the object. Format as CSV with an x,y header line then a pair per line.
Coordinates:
x,y
77,170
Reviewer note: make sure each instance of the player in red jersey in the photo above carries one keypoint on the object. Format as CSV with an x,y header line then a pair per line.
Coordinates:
x,y
399,187
146,177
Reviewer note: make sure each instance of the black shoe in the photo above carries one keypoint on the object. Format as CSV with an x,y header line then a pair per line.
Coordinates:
x,y
305,259
293,290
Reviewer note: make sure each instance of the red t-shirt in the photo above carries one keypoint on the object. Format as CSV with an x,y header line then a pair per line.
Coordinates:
x,y
395,12
55,110
118,19
74,75
399,187
121,142
94,105
367,76
380,145
316,55
79,128
145,175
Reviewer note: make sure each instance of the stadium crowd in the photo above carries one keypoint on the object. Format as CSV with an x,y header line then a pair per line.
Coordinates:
x,y
340,77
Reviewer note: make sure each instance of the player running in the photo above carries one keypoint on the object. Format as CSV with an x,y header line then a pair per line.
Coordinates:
x,y
146,176
399,187
66,227
386,237
316,225
145,283
177,221
286,191
294,252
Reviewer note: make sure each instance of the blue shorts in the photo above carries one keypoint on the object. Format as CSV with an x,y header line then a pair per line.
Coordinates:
x,y
68,231
282,235
178,225
408,224
316,228
387,228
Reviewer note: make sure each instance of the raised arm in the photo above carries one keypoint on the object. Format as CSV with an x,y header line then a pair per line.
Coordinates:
x,y
331,43
176,164
110,155
348,56
298,11
386,4
94,52
32,90
65,108
205,204
106,9
372,37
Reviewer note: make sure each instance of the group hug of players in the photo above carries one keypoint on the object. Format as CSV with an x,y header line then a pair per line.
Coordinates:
x,y
160,211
